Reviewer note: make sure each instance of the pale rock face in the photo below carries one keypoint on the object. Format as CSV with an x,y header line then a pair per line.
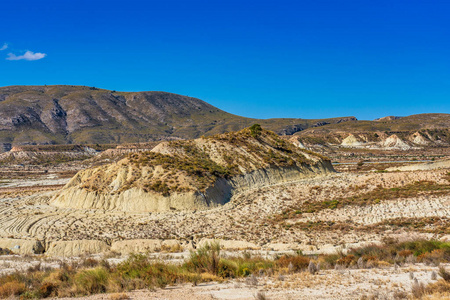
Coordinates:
x,y
137,200
22,246
126,185
442,164
351,141
76,248
230,244
388,118
394,142
136,246
294,140
419,139
306,249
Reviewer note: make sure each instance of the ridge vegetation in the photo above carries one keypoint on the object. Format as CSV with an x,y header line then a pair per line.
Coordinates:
x,y
180,166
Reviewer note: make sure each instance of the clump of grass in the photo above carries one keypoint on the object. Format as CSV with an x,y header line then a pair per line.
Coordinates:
x,y
312,268
375,196
295,263
441,289
401,252
119,296
205,259
260,295
444,274
92,281
433,275
12,288
418,289
205,264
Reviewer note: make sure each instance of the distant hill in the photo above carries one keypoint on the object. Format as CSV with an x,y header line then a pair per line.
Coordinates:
x,y
416,130
388,118
87,115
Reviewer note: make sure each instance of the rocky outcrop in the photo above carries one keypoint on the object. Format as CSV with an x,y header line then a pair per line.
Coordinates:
x,y
147,245
442,164
271,176
230,244
188,175
351,141
27,155
394,142
5,147
21,246
419,139
76,248
388,118
138,200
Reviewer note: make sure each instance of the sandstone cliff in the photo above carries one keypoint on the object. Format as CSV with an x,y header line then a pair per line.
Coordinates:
x,y
192,174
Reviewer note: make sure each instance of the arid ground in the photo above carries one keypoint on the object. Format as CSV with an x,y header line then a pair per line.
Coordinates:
x,y
365,203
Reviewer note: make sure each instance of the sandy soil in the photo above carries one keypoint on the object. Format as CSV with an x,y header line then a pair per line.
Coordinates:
x,y
248,216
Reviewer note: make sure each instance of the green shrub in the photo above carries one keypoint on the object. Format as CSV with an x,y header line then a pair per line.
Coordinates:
x,y
92,281
227,268
255,130
205,259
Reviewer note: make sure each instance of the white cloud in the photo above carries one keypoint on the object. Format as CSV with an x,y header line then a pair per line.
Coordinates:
x,y
29,55
4,47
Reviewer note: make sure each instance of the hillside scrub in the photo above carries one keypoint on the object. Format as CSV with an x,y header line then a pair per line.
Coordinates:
x,y
377,195
206,264
195,165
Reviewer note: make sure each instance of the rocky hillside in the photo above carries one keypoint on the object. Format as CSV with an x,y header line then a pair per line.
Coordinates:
x,y
80,115
192,174
46,154
425,130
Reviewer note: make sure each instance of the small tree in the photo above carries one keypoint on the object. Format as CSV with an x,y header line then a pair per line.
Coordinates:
x,y
255,130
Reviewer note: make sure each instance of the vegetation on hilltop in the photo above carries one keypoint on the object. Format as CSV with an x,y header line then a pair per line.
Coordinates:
x,y
197,164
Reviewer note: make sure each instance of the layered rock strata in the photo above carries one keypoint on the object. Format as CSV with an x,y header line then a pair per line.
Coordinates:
x,y
194,174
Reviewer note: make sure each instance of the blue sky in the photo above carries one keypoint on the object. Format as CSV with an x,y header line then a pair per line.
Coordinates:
x,y
303,59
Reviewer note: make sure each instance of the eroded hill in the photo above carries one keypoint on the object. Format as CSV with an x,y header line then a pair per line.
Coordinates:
x,y
411,131
192,174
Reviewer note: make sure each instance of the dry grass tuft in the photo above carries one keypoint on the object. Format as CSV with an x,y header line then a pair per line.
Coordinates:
x,y
441,287
418,289
444,274
119,296
12,288
260,295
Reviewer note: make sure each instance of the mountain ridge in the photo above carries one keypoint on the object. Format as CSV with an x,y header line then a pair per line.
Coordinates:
x,y
64,114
